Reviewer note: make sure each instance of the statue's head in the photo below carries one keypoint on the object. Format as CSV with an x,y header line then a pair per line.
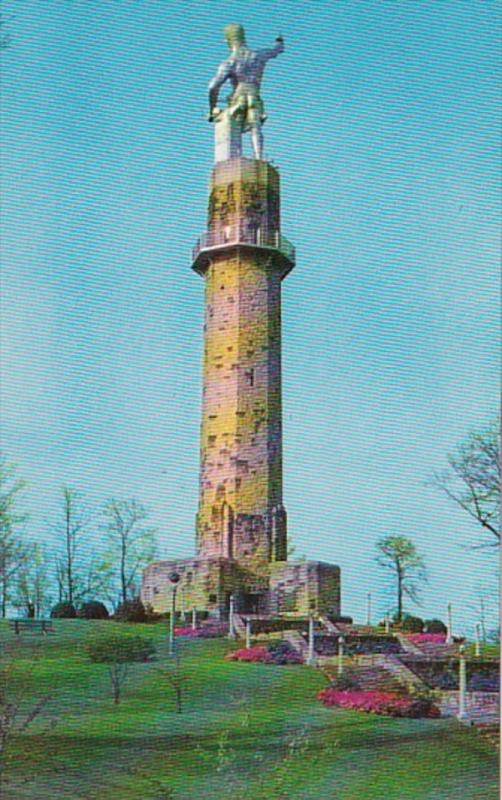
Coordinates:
x,y
234,34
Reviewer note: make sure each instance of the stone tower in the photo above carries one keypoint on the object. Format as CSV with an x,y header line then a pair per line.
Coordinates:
x,y
243,258
241,537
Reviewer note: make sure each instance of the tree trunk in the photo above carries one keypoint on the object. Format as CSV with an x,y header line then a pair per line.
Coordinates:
x,y
68,551
122,572
4,597
399,597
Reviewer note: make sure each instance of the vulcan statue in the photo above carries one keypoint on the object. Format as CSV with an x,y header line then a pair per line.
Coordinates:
x,y
245,112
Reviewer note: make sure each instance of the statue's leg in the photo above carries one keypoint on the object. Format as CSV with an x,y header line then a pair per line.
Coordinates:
x,y
257,140
228,137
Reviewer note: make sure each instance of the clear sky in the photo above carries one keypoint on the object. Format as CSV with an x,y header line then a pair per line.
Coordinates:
x,y
383,121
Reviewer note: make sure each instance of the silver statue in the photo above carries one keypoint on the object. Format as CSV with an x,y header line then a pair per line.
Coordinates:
x,y
245,112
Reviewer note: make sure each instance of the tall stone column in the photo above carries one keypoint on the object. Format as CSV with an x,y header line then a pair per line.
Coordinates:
x,y
243,259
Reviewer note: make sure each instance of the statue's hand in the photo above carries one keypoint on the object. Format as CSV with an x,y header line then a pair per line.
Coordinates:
x,y
214,114
279,38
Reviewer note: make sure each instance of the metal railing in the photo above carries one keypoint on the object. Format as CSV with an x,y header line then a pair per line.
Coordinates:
x,y
232,235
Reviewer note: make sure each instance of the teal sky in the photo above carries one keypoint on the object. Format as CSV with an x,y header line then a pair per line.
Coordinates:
x,y
383,120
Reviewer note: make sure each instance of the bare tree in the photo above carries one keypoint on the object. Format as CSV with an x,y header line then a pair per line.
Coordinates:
x,y
472,480
74,519
399,555
16,712
177,680
132,544
13,551
32,581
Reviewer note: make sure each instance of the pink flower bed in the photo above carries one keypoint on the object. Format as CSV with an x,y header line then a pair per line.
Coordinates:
x,y
427,638
385,703
253,655
209,631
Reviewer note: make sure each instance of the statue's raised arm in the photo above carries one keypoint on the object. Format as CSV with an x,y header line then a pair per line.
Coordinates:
x,y
245,112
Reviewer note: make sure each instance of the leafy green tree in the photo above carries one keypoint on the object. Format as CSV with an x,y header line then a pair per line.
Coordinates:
x,y
399,555
13,551
472,480
131,543
118,651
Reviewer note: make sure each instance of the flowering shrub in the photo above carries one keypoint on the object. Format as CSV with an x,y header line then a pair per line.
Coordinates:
x,y
258,654
427,638
278,653
386,703
209,631
186,631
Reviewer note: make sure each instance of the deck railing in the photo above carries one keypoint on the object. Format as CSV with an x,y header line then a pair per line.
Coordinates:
x,y
232,235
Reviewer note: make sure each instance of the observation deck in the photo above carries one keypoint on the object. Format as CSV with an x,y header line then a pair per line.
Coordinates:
x,y
230,237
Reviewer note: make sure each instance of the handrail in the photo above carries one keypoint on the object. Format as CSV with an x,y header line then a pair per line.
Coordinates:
x,y
235,235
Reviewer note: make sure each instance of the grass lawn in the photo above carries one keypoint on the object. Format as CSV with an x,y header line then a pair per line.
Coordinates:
x,y
247,731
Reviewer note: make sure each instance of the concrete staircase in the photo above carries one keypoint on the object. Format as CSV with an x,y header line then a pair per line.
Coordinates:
x,y
427,649
384,673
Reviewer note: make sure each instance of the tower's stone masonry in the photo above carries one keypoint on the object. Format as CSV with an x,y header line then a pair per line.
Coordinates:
x,y
241,531
241,515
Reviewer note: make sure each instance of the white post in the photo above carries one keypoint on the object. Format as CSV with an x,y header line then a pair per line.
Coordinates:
x,y
368,617
462,684
387,624
231,626
172,621
248,633
194,619
340,655
478,639
449,634
311,651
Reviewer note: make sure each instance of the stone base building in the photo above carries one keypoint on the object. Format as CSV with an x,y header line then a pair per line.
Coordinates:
x,y
285,587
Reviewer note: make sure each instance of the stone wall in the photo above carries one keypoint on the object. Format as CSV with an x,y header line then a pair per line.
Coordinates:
x,y
300,587
205,584
476,703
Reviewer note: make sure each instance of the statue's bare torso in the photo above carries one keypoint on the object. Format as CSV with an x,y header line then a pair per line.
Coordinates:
x,y
243,69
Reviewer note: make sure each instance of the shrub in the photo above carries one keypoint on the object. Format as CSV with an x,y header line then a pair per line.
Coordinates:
x,y
118,651
93,610
345,682
134,611
412,624
435,626
117,648
63,610
279,624
483,683
283,653
278,653
387,704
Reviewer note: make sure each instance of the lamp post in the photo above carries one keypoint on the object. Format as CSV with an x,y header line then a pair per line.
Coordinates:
x,y
368,615
231,626
248,633
462,683
341,641
194,619
311,650
449,636
478,640
387,624
174,578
